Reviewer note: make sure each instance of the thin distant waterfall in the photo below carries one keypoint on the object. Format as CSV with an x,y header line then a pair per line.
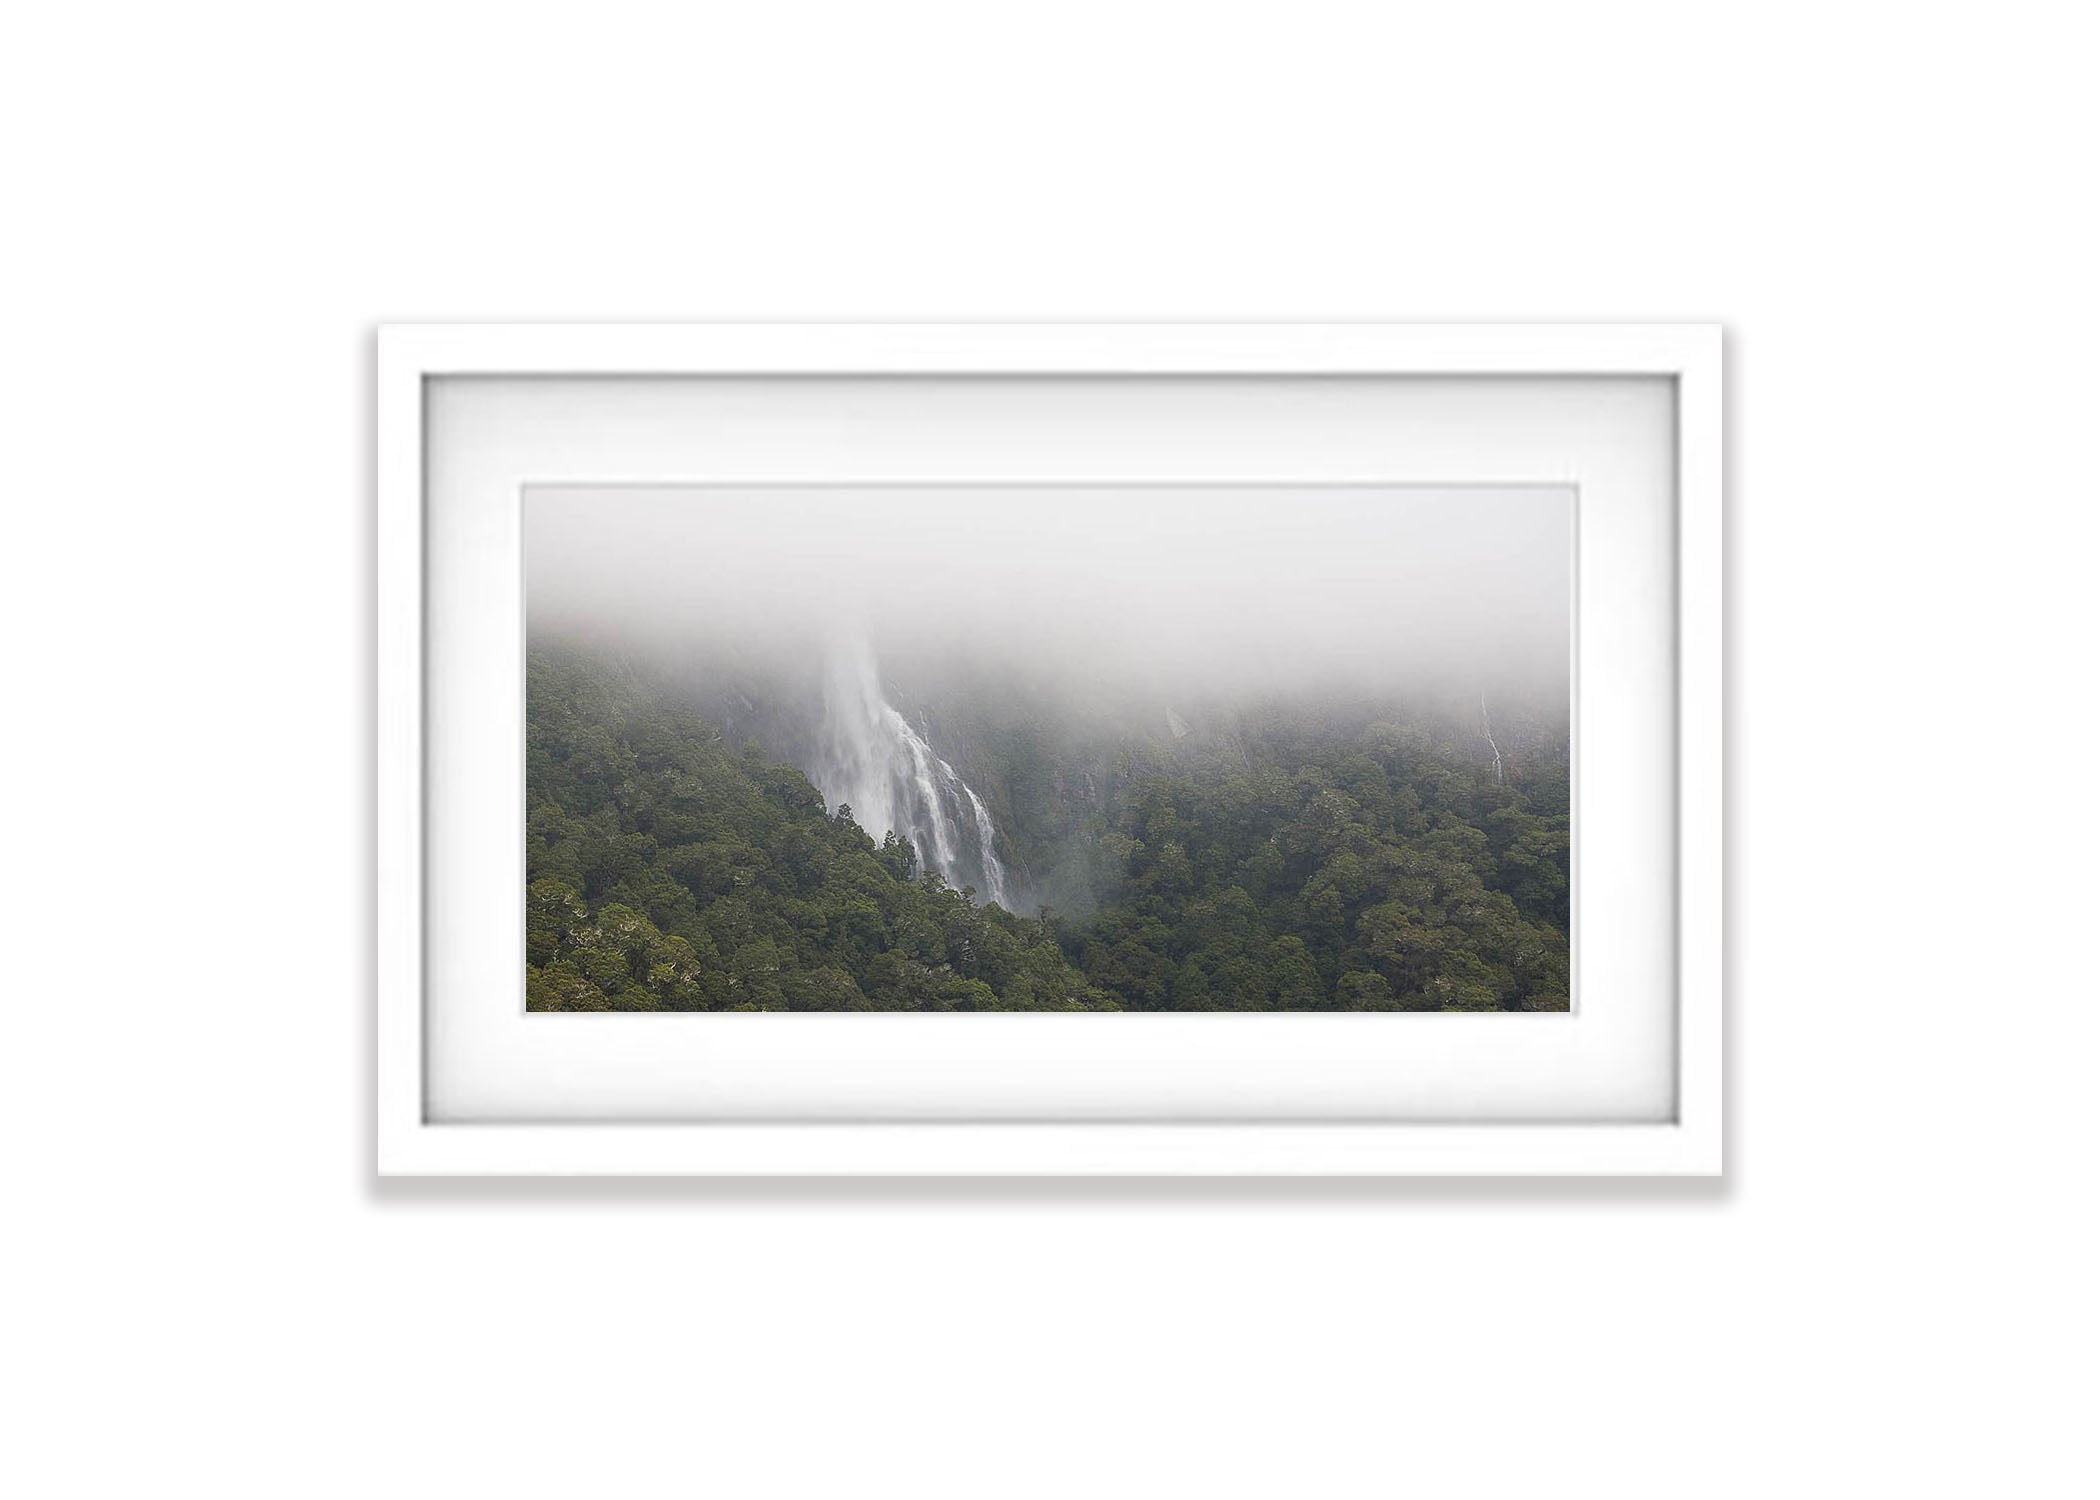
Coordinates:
x,y
871,759
994,872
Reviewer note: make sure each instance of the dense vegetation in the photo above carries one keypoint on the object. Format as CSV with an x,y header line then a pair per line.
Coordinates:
x,y
666,871
1364,865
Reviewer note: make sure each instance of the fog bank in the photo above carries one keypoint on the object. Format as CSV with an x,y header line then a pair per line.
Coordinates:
x,y
1219,589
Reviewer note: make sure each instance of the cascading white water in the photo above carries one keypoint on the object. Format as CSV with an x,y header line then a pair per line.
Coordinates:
x,y
994,872
871,759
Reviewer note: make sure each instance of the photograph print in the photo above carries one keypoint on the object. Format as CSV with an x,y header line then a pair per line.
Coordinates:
x,y
1048,748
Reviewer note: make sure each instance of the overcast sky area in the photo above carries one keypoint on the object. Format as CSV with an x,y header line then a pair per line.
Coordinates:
x,y
1228,588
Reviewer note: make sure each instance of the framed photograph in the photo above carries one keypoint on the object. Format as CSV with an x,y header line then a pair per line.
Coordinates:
x,y
1050,749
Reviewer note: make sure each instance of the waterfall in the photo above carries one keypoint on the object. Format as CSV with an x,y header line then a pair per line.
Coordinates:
x,y
870,758
994,872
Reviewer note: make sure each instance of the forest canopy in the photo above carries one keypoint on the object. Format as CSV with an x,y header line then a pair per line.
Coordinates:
x,y
1280,855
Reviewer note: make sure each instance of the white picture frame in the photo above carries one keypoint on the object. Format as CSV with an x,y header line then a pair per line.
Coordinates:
x,y
1687,1140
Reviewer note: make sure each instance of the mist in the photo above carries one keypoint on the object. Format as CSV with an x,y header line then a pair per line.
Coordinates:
x,y
1106,589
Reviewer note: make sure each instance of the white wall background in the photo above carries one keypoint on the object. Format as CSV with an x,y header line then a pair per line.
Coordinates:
x,y
209,206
